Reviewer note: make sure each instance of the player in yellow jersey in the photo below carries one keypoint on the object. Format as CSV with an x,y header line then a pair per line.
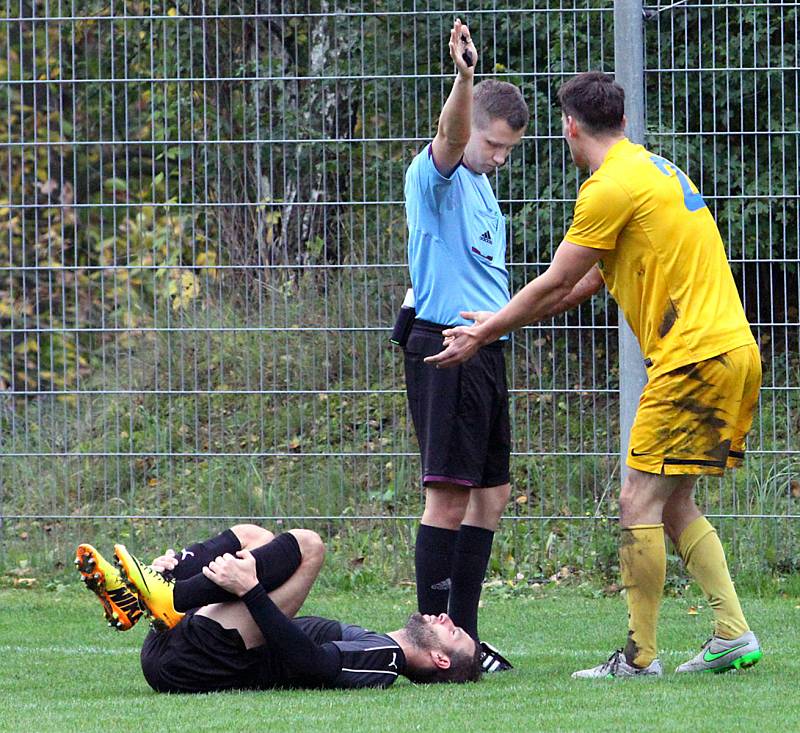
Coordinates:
x,y
642,228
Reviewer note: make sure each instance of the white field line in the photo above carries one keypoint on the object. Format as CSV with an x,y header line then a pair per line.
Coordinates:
x,y
581,652
77,650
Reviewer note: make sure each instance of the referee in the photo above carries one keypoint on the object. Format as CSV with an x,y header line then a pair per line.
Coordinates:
x,y
457,265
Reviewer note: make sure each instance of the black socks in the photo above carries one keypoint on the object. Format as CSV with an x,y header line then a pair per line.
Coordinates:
x,y
192,559
433,559
276,562
450,566
470,560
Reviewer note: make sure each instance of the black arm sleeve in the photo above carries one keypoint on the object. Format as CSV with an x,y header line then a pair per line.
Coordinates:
x,y
300,653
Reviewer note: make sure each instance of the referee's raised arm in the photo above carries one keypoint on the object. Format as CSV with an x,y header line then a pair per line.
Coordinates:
x,y
455,122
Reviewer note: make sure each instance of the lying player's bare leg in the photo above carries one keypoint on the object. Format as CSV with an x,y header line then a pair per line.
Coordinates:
x,y
290,596
251,535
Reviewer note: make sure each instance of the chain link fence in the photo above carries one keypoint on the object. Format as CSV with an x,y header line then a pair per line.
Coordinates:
x,y
202,249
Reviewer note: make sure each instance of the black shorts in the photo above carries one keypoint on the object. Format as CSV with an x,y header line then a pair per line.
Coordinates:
x,y
460,414
199,655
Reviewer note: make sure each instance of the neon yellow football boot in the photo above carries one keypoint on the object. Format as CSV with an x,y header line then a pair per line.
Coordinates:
x,y
121,607
152,589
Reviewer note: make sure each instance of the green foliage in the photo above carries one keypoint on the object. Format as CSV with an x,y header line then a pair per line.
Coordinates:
x,y
93,222
130,202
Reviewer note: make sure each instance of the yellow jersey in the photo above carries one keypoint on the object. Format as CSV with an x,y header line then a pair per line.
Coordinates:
x,y
664,261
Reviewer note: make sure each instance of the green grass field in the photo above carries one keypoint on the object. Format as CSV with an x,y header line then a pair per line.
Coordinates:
x,y
62,669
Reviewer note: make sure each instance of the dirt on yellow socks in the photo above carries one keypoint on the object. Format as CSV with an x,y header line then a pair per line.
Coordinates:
x,y
704,558
643,567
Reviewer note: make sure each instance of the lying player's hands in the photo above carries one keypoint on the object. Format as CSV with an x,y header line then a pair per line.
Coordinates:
x,y
166,562
236,575
460,343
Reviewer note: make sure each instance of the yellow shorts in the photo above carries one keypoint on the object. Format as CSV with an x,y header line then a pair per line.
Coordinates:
x,y
694,419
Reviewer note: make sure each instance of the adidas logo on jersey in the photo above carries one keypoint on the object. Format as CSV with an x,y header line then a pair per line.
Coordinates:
x,y
486,237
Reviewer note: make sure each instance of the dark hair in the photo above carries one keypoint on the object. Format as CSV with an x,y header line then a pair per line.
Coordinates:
x,y
493,100
595,99
464,667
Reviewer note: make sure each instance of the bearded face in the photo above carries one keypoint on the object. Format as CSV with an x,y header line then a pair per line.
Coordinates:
x,y
420,632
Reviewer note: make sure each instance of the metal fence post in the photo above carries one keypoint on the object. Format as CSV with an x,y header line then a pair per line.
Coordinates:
x,y
629,72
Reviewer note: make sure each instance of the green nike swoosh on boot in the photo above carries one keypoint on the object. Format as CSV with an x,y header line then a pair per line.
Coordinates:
x,y
711,657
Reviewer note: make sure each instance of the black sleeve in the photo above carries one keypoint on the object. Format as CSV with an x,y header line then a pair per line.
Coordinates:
x,y
299,652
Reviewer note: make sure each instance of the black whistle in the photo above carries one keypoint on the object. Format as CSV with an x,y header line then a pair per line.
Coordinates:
x,y
467,56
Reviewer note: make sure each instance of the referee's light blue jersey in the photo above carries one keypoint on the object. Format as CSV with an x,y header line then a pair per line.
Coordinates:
x,y
456,242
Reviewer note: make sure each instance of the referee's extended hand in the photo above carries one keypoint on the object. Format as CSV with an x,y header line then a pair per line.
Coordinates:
x,y
236,575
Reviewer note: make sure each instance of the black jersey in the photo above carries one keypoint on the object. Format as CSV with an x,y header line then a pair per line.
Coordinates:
x,y
199,655
365,659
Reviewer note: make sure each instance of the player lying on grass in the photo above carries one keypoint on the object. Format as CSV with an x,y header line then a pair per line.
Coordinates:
x,y
223,616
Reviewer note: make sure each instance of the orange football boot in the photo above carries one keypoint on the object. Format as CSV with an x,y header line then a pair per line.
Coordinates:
x,y
121,607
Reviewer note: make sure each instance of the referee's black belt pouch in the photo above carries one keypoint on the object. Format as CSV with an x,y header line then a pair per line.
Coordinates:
x,y
402,326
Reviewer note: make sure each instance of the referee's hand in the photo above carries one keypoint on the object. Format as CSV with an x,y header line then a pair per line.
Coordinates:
x,y
462,49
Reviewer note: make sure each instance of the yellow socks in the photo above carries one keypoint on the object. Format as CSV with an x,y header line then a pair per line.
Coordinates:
x,y
704,558
643,562
643,567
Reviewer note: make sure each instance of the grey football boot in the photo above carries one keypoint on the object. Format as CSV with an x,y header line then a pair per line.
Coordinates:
x,y
722,655
617,666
